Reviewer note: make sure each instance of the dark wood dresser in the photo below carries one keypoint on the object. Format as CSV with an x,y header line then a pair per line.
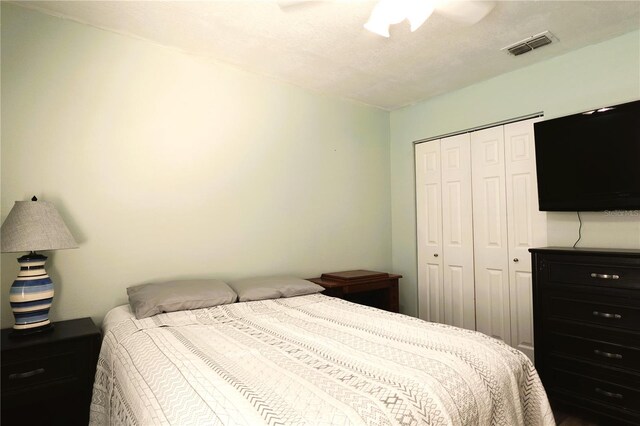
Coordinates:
x,y
586,305
371,288
47,378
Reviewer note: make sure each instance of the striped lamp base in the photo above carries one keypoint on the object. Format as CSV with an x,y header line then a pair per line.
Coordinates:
x,y
31,294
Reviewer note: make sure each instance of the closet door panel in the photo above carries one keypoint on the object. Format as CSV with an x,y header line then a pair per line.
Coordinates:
x,y
497,318
454,295
429,228
490,233
522,312
527,227
457,226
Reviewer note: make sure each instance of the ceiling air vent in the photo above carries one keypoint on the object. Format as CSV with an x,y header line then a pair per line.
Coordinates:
x,y
528,44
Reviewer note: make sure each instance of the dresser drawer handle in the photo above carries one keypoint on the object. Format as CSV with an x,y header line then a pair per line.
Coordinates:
x,y
605,276
606,315
607,354
26,374
609,394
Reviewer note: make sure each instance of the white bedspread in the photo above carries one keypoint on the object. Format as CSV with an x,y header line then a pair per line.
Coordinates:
x,y
311,360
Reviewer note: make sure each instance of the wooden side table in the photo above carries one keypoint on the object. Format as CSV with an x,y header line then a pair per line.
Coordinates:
x,y
47,378
371,288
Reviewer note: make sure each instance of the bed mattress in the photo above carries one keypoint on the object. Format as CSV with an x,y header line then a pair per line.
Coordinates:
x,y
308,360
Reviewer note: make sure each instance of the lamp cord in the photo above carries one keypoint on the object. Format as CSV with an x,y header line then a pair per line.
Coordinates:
x,y
579,230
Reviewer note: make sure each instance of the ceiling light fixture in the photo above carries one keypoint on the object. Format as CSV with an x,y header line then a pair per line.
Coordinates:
x,y
391,12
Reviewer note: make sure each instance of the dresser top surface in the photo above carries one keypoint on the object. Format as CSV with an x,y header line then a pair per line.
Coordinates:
x,y
587,251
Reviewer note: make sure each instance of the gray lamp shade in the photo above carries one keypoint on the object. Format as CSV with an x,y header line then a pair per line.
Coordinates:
x,y
33,226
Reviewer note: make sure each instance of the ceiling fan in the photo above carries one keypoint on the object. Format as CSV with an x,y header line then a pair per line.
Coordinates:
x,y
389,12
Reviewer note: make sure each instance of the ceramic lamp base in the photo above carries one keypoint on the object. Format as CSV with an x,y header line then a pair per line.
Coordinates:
x,y
31,295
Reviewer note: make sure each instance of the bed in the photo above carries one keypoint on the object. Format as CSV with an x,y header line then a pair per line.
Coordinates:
x,y
308,360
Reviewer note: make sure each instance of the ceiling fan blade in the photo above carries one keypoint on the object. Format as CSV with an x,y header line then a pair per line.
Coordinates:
x,y
466,12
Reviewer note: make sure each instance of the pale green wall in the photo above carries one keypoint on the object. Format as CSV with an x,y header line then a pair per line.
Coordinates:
x,y
165,165
601,74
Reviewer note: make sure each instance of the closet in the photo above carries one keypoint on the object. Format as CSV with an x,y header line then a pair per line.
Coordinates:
x,y
477,215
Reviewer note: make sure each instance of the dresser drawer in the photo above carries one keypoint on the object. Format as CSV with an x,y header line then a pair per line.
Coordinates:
x,y
602,352
594,309
614,393
599,273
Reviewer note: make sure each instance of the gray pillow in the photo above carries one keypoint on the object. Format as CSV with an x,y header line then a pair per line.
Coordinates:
x,y
151,299
272,288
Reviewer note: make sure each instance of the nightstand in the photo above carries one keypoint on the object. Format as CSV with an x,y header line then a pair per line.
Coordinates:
x,y
47,378
371,288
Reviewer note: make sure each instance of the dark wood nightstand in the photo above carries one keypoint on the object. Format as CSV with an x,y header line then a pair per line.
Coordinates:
x,y
371,288
47,378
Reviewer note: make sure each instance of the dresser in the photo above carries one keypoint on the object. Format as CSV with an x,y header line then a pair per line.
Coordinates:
x,y
586,305
47,378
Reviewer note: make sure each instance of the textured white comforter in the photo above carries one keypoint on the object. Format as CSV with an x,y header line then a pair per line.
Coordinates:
x,y
310,360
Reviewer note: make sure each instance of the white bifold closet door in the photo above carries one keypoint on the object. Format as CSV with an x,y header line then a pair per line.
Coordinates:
x,y
478,215
506,223
429,229
445,231
526,226
493,315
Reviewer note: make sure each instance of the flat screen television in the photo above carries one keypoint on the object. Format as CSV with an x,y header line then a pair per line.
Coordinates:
x,y
590,161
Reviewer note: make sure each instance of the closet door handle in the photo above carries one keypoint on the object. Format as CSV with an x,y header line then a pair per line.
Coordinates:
x,y
435,254
607,354
515,259
606,315
605,276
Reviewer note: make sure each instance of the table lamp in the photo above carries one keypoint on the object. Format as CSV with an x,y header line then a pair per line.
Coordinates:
x,y
33,226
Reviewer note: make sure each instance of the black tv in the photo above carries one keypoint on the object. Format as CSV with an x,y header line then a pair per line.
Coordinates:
x,y
590,161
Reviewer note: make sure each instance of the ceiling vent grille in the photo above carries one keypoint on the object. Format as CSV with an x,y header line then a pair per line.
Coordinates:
x,y
533,42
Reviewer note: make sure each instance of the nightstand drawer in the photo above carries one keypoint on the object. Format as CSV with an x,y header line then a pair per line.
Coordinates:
x,y
373,286
39,371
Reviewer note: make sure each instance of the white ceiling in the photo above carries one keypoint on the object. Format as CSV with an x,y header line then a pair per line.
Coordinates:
x,y
322,45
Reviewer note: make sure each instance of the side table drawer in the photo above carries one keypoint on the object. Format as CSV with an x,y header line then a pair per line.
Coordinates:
x,y
373,286
43,373
41,370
